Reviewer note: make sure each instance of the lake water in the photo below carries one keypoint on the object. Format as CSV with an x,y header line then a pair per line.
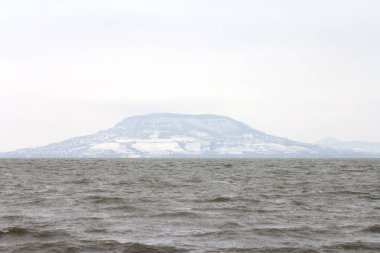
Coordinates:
x,y
189,205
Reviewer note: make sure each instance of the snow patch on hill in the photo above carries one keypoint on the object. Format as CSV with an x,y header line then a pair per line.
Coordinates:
x,y
178,135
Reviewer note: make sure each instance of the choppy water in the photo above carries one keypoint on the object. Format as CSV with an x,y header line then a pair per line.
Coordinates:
x,y
214,205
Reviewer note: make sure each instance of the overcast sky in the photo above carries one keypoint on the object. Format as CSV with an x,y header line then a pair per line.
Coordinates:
x,y
298,69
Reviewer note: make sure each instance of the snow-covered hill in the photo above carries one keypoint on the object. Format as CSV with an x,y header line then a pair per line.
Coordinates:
x,y
357,146
179,135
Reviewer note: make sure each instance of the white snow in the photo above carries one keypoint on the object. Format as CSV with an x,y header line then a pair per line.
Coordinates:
x,y
200,134
195,147
158,147
154,135
113,146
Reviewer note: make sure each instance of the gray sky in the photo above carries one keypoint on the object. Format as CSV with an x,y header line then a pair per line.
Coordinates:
x,y
297,69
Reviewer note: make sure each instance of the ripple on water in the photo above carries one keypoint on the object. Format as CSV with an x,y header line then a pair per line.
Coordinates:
x,y
100,246
10,233
373,229
193,205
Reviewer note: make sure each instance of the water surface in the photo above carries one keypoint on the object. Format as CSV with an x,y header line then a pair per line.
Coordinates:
x,y
189,205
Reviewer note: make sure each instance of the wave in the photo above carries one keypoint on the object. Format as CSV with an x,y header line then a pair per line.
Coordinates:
x,y
93,246
294,231
105,200
373,229
12,218
216,233
220,199
12,232
124,208
230,225
79,181
272,250
183,214
236,209
355,246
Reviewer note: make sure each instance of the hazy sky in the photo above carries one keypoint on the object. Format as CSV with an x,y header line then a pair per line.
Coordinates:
x,y
301,69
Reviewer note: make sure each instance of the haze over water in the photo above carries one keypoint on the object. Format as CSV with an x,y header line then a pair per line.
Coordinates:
x,y
189,205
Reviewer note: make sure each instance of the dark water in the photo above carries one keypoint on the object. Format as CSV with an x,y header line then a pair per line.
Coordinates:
x,y
189,205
